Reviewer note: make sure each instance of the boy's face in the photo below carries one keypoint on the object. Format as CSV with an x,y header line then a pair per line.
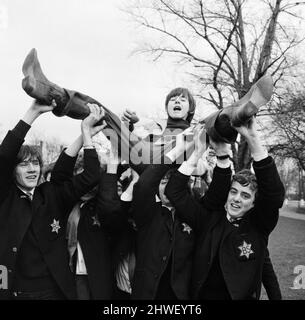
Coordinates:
x,y
240,200
178,107
27,173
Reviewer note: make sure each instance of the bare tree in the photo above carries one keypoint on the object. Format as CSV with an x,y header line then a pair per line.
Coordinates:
x,y
226,44
50,148
289,127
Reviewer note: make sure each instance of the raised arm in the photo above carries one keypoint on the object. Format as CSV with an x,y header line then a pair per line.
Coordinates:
x,y
72,189
216,196
270,191
186,206
176,190
12,143
108,206
144,193
64,166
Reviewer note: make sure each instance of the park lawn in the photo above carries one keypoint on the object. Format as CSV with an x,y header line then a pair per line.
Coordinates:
x,y
287,250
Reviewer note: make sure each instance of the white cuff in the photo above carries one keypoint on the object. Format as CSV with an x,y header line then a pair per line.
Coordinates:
x,y
126,196
226,163
186,169
260,155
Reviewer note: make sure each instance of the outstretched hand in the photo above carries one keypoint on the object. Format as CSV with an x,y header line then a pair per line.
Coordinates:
x,y
249,130
130,116
220,148
36,109
184,140
200,139
40,108
96,114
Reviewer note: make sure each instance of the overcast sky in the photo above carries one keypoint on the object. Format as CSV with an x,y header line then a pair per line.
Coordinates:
x,y
82,45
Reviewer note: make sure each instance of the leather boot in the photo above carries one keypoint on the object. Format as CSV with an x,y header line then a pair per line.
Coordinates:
x,y
243,110
219,129
219,125
36,85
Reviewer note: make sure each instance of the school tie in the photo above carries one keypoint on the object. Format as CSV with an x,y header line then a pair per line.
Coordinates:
x,y
235,221
29,195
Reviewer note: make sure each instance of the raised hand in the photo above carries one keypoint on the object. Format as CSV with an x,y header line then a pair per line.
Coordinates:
x,y
200,139
250,132
36,109
130,116
96,114
220,148
42,108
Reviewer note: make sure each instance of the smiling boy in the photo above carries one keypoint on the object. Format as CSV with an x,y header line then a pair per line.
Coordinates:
x,y
231,240
33,215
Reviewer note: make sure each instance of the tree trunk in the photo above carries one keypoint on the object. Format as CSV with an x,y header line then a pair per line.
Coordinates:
x,y
243,156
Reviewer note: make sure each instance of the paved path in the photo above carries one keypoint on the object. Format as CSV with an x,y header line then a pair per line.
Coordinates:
x,y
290,211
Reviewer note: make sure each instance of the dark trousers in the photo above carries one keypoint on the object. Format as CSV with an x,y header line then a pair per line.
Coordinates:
x,y
165,290
120,295
82,287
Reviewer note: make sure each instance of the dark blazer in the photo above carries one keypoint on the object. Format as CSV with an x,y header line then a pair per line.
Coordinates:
x,y
98,228
101,219
160,235
242,274
51,202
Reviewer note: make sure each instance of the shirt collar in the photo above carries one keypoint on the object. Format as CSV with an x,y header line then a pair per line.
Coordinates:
x,y
230,219
31,193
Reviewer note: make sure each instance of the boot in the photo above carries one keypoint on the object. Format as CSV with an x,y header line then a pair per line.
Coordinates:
x,y
36,85
243,110
219,129
219,125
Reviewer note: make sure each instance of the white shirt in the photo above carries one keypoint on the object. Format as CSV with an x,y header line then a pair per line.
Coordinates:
x,y
80,263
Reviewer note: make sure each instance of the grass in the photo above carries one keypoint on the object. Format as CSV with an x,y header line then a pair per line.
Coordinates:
x,y
287,250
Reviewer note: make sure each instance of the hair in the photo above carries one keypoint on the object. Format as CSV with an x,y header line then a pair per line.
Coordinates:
x,y
246,178
167,176
177,92
29,152
169,173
